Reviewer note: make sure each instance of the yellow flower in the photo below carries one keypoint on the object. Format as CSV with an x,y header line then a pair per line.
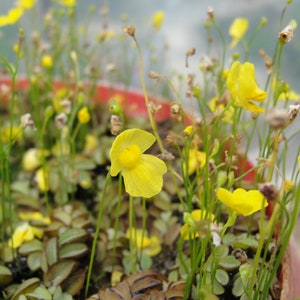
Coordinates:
x,y
84,115
24,233
188,130
16,48
69,3
243,202
41,178
46,61
196,160
158,19
14,135
142,173
91,143
26,4
288,185
243,87
237,30
219,108
34,216
191,221
150,246
32,159
12,16
289,95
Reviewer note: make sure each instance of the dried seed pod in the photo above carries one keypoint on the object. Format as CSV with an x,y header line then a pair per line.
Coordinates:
x,y
269,190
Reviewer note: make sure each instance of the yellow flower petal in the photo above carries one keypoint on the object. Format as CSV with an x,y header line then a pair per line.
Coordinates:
x,y
242,201
24,233
196,160
158,19
243,87
145,180
154,248
41,177
26,4
138,137
83,115
190,230
237,30
68,3
34,216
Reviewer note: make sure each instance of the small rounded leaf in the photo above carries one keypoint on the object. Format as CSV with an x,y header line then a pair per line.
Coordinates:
x,y
74,250
229,263
72,235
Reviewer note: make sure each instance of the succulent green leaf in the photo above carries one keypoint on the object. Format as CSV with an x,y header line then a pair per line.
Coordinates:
x,y
229,263
29,247
5,276
34,261
222,276
72,235
73,250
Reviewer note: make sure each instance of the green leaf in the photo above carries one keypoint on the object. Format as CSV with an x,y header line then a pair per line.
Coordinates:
x,y
222,276
27,286
29,247
73,250
72,235
34,261
5,276
40,293
229,262
245,272
59,272
246,243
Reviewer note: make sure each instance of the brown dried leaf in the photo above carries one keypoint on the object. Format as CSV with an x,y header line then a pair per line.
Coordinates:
x,y
123,290
145,285
109,294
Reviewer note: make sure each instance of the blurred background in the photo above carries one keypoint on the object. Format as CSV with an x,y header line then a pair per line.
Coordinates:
x,y
183,29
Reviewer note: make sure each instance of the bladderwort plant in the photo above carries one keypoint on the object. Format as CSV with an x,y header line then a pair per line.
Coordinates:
x,y
89,194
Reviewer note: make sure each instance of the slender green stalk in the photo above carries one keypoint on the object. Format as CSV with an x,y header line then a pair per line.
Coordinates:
x,y
94,245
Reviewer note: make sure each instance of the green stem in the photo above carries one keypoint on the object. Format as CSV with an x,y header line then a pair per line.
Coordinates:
x,y
151,118
94,245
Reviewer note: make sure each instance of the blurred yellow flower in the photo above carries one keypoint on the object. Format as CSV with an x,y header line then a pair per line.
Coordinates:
x,y
220,107
24,233
241,201
288,185
68,3
12,16
46,61
188,130
34,216
196,160
189,229
150,246
16,48
91,143
142,173
14,135
243,87
158,19
32,159
84,115
26,4
237,30
41,178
